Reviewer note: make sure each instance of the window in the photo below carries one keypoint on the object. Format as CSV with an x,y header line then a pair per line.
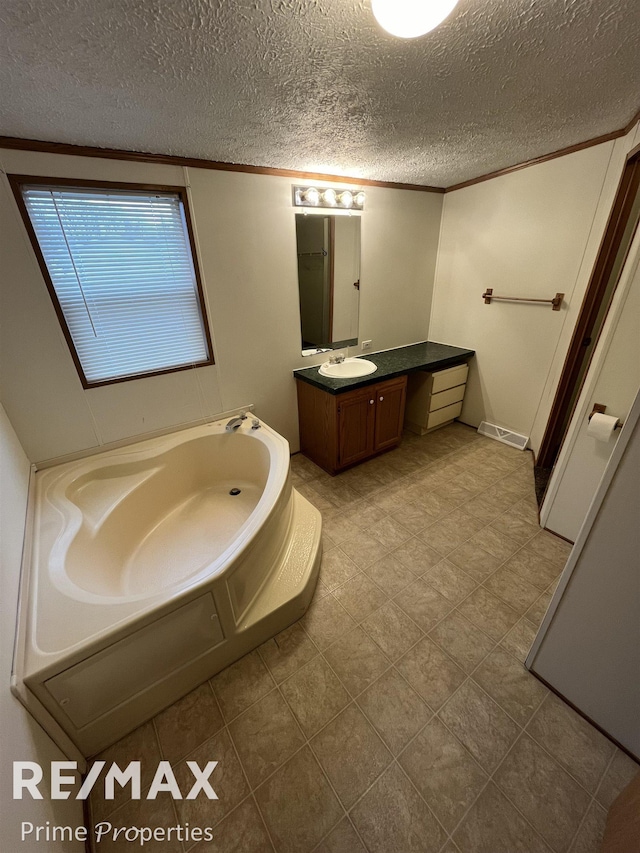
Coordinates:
x,y
119,266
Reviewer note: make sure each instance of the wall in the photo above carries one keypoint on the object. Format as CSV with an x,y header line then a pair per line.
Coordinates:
x,y
530,233
22,738
613,380
246,233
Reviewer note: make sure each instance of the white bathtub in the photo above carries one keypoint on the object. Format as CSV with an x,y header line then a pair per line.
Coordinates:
x,y
154,566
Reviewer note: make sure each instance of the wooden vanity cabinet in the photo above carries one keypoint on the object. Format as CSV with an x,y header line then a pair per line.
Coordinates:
x,y
340,430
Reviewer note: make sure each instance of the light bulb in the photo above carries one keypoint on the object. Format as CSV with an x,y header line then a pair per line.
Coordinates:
x,y
346,199
409,19
312,196
359,199
329,197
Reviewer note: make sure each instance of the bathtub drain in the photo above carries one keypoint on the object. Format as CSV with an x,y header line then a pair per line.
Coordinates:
x,y
235,491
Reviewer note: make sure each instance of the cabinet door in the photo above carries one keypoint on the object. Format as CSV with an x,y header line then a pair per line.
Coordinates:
x,y
356,421
390,398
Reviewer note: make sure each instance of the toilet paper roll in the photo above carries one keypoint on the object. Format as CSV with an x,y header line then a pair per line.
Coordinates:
x,y
602,427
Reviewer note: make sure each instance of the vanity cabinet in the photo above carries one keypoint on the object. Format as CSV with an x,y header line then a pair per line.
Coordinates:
x,y
340,430
434,398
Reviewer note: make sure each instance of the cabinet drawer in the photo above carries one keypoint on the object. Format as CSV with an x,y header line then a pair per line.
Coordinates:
x,y
449,378
446,398
441,416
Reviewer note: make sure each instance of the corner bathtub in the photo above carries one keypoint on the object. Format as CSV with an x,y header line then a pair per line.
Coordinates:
x,y
154,566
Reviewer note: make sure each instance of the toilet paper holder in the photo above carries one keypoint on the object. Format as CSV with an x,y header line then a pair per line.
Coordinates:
x,y
599,409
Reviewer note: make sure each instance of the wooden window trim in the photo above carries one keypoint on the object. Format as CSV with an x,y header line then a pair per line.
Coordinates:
x,y
18,181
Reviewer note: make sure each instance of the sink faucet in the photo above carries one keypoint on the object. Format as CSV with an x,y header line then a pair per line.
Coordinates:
x,y
236,422
338,358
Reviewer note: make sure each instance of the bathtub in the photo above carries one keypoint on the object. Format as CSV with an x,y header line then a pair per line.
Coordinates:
x,y
152,567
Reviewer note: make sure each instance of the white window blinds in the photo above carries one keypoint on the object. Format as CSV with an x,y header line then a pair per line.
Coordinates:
x,y
121,267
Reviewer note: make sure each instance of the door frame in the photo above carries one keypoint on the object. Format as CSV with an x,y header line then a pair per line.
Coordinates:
x,y
616,225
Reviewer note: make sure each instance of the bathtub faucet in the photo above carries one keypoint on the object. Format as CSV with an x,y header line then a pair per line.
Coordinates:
x,y
234,423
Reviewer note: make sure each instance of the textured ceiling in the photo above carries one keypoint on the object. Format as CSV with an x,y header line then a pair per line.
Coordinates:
x,y
316,85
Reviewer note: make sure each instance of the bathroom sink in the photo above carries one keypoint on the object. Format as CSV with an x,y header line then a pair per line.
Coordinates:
x,y
349,368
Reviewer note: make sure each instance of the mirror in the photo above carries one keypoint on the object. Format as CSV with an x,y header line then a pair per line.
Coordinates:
x,y
328,280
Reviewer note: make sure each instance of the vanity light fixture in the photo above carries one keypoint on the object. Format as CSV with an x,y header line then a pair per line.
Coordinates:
x,y
408,19
328,197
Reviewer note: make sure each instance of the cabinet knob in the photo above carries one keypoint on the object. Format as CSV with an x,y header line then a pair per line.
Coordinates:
x,y
371,402
381,399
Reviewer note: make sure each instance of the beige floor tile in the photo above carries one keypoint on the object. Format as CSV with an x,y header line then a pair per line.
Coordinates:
x,y
334,490
416,556
389,574
315,695
141,745
363,549
414,517
516,691
391,500
545,794
450,581
551,547
527,510
313,496
431,672
392,630
227,780
241,684
450,532
620,773
389,532
298,805
423,604
494,826
519,639
484,509
326,620
157,814
287,651
573,742
188,723
357,660
533,568
360,596
495,543
535,614
394,709
482,726
517,593
591,833
476,481
392,817
351,754
475,561
444,772
265,736
366,513
304,467
342,839
240,832
338,528
488,613
462,641
455,492
336,568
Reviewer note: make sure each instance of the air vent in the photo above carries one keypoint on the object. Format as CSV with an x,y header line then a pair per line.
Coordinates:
x,y
506,436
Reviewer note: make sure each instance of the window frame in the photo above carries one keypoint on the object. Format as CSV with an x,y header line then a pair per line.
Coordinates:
x,y
18,181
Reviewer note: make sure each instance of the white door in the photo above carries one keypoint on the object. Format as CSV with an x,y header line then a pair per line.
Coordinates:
x,y
613,380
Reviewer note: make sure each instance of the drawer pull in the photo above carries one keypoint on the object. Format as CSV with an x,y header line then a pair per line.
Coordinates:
x,y
371,402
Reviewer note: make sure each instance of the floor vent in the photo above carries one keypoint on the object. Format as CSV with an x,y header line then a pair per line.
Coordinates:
x,y
514,439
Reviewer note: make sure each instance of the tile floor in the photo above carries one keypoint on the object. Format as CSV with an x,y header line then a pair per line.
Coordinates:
x,y
396,716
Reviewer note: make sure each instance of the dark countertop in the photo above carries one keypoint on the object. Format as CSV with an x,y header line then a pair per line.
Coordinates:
x,y
392,362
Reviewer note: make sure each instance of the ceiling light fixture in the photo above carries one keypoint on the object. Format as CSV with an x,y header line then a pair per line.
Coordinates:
x,y
328,197
409,19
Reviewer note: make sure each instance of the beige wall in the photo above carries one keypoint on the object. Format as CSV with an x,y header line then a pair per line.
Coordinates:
x,y
22,738
246,233
530,233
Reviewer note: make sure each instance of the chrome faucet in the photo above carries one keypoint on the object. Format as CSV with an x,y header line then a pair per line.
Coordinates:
x,y
236,422
338,358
